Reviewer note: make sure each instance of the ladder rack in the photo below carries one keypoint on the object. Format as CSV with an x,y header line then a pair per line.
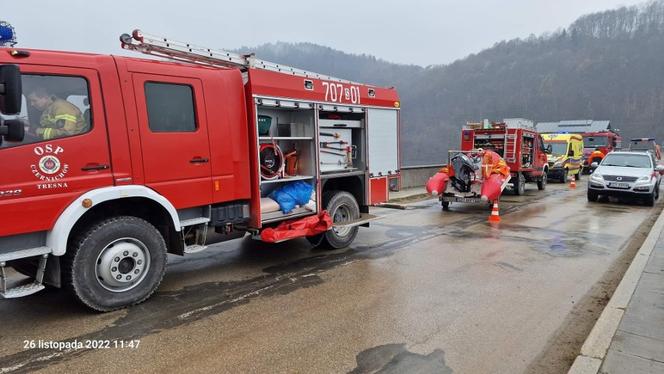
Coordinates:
x,y
510,147
184,52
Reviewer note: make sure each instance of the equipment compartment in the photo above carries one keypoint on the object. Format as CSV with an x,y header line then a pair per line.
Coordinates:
x,y
341,142
287,153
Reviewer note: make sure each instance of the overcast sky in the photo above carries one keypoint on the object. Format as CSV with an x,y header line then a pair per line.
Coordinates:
x,y
420,32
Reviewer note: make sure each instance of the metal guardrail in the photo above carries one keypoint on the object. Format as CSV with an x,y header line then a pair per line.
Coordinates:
x,y
417,175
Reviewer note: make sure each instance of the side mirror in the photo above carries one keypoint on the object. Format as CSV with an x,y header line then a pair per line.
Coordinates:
x,y
12,130
10,89
594,165
549,149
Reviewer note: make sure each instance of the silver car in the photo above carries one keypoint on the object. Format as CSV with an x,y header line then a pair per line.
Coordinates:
x,y
626,175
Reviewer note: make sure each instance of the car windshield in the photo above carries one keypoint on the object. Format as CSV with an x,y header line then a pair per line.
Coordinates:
x,y
557,148
625,160
595,141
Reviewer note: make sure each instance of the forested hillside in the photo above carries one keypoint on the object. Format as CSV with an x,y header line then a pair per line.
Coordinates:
x,y
607,65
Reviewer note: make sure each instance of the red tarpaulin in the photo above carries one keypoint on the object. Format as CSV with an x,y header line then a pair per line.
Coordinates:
x,y
298,228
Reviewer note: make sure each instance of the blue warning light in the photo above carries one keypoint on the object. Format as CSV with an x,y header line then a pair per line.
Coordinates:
x,y
7,34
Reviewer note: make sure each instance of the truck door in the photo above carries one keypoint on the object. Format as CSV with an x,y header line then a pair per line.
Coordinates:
x,y
65,151
383,151
174,138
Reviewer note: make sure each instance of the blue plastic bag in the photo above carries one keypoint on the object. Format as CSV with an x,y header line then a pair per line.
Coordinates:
x,y
292,194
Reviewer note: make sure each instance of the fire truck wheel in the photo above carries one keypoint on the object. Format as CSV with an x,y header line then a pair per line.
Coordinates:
x,y
446,205
341,206
520,184
541,183
114,264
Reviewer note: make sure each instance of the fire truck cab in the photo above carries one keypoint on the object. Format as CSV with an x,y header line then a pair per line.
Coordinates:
x,y
110,163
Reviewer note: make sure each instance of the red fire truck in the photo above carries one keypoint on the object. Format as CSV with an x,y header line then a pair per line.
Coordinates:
x,y
517,142
596,145
112,162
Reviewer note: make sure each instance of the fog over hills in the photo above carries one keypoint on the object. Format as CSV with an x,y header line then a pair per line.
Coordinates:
x,y
607,65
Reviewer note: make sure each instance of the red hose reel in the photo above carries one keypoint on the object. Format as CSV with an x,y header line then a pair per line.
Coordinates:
x,y
271,161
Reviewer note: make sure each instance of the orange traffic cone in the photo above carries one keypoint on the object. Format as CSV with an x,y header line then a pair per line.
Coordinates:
x,y
572,182
495,214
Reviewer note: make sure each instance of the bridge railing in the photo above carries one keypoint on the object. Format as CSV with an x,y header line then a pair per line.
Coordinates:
x,y
417,175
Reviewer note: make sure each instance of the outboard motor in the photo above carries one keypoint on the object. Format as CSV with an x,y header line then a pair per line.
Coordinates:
x,y
464,172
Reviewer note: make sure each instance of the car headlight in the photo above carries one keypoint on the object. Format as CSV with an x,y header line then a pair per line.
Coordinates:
x,y
645,178
597,177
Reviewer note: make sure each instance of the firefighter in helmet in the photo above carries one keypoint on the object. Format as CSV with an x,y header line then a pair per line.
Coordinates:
x,y
492,163
59,117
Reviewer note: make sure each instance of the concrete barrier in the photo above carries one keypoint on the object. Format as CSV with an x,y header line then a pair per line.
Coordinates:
x,y
417,176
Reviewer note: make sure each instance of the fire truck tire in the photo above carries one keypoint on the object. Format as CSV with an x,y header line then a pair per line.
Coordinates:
x,y
341,206
446,205
520,185
116,263
541,183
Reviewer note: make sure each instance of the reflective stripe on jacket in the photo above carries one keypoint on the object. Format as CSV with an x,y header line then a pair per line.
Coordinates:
x,y
61,119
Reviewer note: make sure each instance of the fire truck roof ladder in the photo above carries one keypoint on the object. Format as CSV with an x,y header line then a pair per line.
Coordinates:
x,y
185,52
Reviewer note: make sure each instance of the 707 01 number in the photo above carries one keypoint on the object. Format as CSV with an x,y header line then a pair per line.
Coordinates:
x,y
340,93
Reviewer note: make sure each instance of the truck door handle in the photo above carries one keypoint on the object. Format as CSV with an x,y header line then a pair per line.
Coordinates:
x,y
199,160
95,167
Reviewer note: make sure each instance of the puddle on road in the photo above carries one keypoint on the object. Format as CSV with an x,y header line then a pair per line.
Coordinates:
x,y
562,243
395,358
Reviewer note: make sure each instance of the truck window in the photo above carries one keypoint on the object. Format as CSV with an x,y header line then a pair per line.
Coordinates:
x,y
170,107
53,107
595,141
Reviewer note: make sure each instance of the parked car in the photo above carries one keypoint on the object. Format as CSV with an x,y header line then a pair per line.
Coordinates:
x,y
626,175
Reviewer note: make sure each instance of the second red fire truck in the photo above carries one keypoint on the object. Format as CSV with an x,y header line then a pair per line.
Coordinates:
x,y
518,143
109,163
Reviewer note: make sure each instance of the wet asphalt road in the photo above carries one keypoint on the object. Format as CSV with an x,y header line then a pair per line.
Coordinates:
x,y
421,291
